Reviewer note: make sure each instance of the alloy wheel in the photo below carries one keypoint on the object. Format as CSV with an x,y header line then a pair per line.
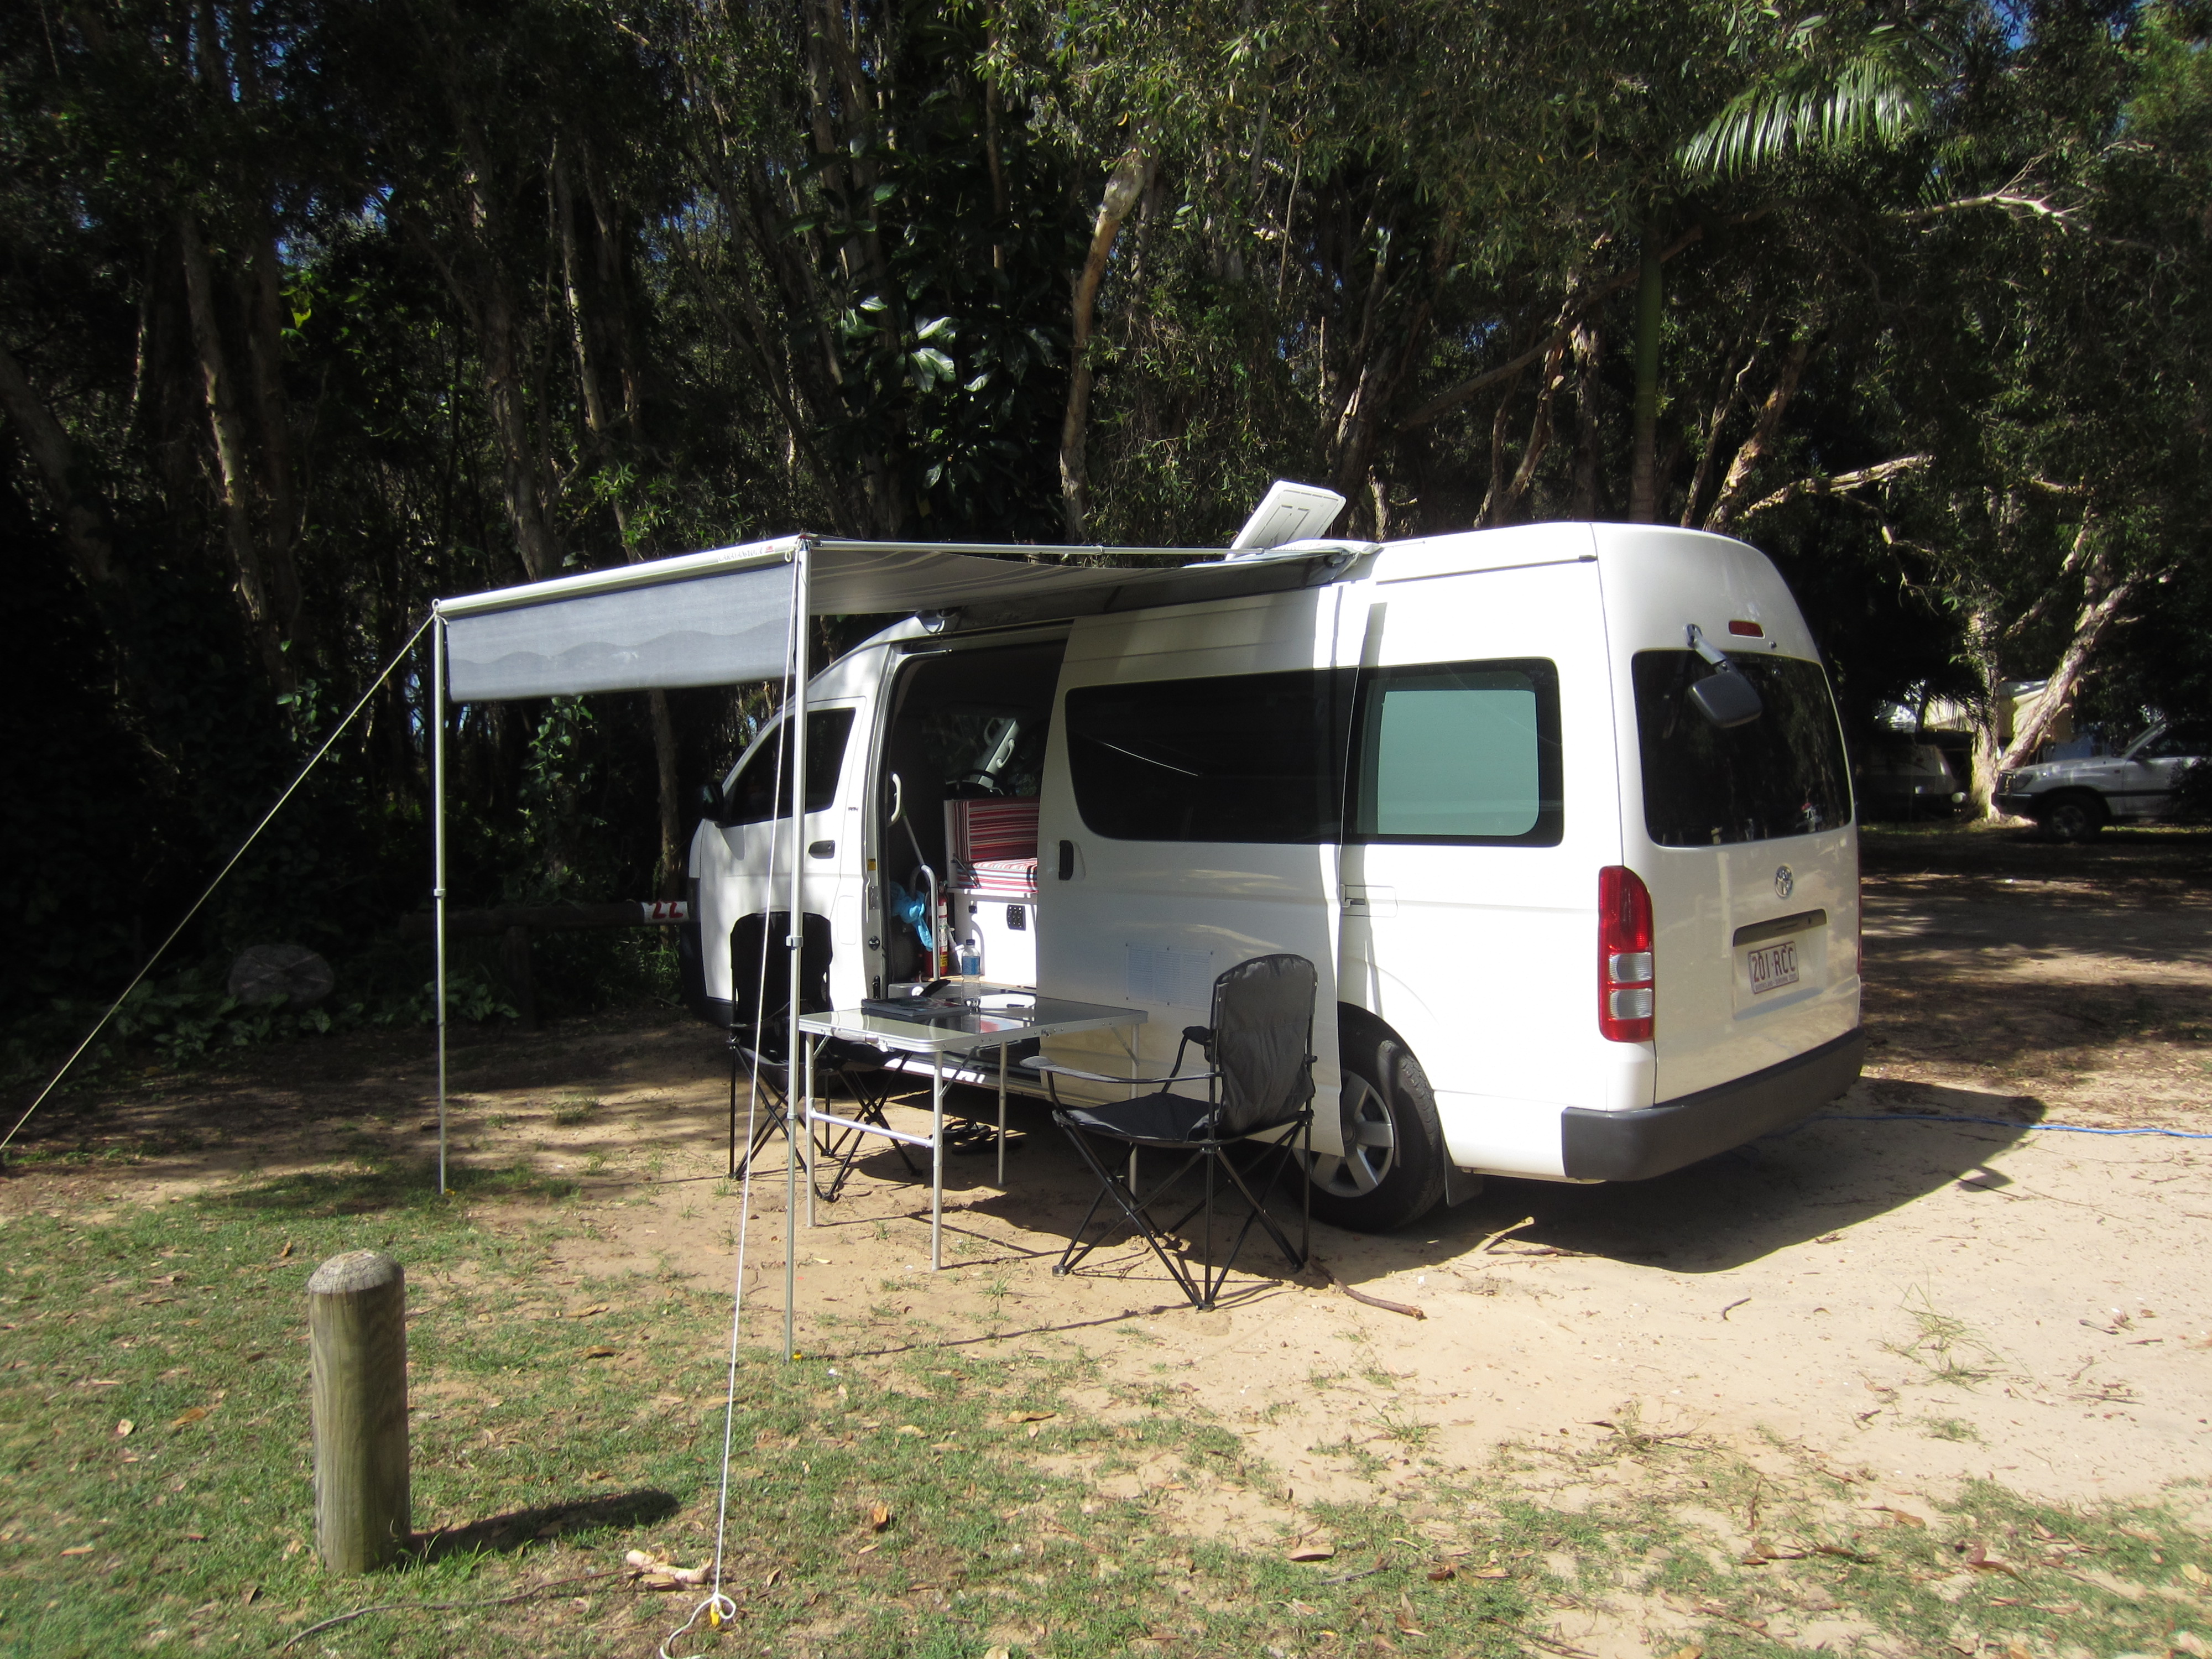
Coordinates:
x,y
1371,1142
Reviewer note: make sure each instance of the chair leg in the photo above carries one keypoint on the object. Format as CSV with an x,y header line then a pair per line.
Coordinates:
x,y
1297,1258
772,1118
1111,1184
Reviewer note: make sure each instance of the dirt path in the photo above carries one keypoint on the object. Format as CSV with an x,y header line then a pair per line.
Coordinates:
x,y
1907,1303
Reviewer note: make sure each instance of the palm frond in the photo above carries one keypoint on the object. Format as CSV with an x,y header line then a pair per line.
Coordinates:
x,y
1840,87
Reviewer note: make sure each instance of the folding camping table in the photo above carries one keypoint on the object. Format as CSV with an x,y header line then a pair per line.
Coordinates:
x,y
1017,1017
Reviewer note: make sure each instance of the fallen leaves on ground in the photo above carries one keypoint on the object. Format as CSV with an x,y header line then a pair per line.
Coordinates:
x,y
659,1572
1313,1550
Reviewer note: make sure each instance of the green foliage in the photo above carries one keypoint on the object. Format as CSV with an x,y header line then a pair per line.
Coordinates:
x,y
309,318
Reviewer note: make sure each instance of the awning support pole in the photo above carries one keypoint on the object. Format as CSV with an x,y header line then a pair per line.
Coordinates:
x,y
795,1098
438,861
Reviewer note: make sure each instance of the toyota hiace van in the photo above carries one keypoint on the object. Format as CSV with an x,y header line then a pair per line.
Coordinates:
x,y
1560,814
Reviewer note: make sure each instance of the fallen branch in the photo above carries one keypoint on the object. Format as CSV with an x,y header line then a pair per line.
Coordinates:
x,y
1525,1221
449,1606
1410,1311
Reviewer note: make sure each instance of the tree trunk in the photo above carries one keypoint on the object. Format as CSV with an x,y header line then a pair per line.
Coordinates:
x,y
1754,449
1540,438
674,856
1651,313
84,525
599,420
1981,652
1724,404
1496,492
269,629
1589,343
1123,186
2103,600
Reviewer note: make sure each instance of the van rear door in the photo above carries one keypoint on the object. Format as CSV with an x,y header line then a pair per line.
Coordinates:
x,y
1744,836
1190,813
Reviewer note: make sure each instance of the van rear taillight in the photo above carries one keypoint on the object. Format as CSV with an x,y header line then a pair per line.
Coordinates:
x,y
1625,975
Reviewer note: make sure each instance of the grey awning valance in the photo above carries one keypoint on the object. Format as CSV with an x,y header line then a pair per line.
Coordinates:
x,y
722,617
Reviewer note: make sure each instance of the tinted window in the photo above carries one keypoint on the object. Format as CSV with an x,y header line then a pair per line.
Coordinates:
x,y
1249,757
1782,774
1468,753
752,798
2172,743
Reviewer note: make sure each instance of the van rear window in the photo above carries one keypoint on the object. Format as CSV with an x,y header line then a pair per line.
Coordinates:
x,y
1782,774
1246,757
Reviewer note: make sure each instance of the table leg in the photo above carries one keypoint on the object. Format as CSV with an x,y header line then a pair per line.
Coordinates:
x,y
1129,1045
936,1160
1002,1116
806,1128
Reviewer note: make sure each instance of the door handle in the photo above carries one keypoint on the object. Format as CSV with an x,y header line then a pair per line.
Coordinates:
x,y
821,849
1067,860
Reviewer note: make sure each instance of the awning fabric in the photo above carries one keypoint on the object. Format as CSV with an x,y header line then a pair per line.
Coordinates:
x,y
723,617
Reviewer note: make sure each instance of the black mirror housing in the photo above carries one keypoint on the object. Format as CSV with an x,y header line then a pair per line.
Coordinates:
x,y
1727,699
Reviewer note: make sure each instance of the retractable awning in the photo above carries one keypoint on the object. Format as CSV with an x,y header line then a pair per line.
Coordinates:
x,y
735,614
724,616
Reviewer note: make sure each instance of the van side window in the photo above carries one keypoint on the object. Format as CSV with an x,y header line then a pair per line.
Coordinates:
x,y
762,788
1782,774
1464,752
1241,757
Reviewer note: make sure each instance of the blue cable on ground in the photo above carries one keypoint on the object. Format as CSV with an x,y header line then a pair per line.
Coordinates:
x,y
2001,1122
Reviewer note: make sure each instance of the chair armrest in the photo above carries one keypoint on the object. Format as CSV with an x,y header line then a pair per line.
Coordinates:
x,y
1038,1063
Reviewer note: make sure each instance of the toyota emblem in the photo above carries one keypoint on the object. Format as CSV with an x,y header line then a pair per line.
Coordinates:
x,y
1785,883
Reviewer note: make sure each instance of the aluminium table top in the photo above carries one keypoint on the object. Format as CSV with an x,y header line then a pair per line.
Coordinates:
x,y
998,1019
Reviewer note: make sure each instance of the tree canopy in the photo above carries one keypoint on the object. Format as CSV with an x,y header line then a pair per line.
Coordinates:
x,y
312,310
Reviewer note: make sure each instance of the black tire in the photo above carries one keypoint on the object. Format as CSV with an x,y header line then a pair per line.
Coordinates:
x,y
2073,816
1393,1172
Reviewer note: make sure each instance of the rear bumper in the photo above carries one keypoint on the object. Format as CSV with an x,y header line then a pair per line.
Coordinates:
x,y
1638,1145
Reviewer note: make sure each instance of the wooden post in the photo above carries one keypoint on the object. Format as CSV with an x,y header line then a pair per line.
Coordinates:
x,y
358,1331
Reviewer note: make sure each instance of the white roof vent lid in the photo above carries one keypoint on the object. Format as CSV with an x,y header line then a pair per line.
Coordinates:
x,y
1288,513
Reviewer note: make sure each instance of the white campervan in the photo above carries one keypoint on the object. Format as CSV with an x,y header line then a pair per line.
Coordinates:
x,y
1560,814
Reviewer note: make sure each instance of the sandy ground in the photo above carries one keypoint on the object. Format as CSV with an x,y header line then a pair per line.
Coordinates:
x,y
1906,1303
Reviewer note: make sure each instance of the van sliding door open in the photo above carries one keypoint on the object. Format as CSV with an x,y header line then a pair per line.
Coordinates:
x,y
1191,813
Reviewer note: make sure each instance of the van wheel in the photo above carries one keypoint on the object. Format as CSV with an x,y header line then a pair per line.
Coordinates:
x,y
1391,1172
2075,817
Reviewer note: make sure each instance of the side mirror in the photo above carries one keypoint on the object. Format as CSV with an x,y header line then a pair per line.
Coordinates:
x,y
1727,699
711,805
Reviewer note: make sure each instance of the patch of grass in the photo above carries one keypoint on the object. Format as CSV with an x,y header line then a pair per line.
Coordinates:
x,y
573,1109
1407,1428
1946,1347
1951,1428
542,1460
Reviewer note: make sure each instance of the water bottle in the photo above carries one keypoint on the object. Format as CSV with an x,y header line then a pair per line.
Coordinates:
x,y
971,956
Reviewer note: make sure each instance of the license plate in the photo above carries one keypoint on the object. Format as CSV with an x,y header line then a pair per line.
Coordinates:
x,y
1773,966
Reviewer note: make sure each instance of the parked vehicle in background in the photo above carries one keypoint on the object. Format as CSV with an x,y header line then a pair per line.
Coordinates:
x,y
1903,779
2074,800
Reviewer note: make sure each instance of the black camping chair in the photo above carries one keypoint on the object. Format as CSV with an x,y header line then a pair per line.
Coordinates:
x,y
1261,1084
760,1045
